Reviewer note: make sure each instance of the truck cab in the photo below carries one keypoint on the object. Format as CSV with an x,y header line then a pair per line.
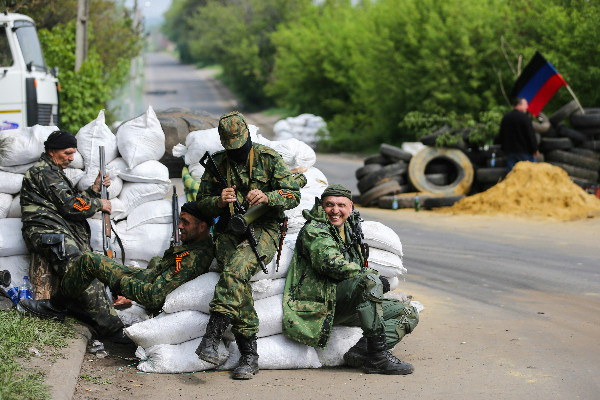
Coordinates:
x,y
29,90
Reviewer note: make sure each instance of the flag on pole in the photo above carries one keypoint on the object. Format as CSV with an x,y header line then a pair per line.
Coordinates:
x,y
538,82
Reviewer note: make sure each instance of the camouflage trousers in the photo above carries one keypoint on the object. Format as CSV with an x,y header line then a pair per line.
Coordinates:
x,y
233,293
92,306
360,302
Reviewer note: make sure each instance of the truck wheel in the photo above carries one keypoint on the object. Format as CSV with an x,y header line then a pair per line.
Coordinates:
x,y
464,171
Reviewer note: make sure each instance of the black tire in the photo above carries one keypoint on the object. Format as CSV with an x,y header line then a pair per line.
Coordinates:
x,y
592,145
552,132
582,183
377,159
576,136
541,124
577,172
490,175
462,166
439,179
366,170
429,140
370,197
560,143
387,202
381,175
394,153
563,113
586,153
443,201
591,118
576,160
591,133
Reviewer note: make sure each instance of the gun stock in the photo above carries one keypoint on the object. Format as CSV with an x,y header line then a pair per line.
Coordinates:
x,y
106,235
175,212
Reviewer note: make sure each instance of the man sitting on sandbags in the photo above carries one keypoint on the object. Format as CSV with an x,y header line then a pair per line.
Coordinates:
x,y
329,283
148,287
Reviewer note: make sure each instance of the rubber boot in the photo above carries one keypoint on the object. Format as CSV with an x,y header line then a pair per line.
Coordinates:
x,y
381,361
54,308
357,355
248,365
208,350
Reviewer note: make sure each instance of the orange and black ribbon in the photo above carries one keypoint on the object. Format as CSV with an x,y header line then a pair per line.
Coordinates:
x,y
82,205
178,259
285,194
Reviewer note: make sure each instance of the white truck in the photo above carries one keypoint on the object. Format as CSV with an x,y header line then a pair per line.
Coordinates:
x,y
29,90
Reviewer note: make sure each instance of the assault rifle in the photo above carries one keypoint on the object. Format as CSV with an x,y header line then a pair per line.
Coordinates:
x,y
241,221
106,235
358,236
175,213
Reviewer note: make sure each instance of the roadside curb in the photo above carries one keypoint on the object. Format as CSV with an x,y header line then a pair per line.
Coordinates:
x,y
62,377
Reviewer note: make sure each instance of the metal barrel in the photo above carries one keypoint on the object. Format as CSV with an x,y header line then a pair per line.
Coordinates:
x,y
238,223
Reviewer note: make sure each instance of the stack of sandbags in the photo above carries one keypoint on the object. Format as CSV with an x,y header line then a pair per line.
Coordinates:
x,y
19,150
306,127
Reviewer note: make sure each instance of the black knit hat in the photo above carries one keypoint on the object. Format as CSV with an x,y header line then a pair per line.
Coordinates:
x,y
59,140
191,207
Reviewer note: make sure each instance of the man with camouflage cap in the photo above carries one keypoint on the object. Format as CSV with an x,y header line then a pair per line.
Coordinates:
x,y
255,174
149,286
328,283
54,215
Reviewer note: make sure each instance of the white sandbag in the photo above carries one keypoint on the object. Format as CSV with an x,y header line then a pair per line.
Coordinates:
x,y
135,194
277,352
133,315
295,223
193,295
287,251
380,236
96,234
394,282
341,340
74,175
90,138
18,169
18,266
15,208
141,139
24,146
171,328
116,166
316,182
270,315
117,208
152,212
305,155
150,171
178,358
10,182
88,179
11,240
199,142
196,171
5,202
286,150
305,127
267,287
77,162
144,241
387,263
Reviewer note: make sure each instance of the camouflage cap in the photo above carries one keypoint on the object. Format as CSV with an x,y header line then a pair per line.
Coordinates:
x,y
336,190
233,130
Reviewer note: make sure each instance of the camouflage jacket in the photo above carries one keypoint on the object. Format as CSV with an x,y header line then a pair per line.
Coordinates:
x,y
50,203
177,266
269,174
321,260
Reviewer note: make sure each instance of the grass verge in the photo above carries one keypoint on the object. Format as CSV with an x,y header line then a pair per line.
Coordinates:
x,y
18,333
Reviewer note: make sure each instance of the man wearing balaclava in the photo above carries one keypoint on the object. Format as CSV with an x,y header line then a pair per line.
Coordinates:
x,y
54,214
255,175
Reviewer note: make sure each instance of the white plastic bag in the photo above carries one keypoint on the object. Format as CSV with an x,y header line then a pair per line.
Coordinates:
x,y
10,183
89,140
135,194
144,241
171,328
15,208
380,236
141,139
150,171
152,212
387,263
11,240
341,340
5,202
24,146
178,358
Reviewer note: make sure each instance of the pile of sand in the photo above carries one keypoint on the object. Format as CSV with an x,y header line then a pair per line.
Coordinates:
x,y
533,190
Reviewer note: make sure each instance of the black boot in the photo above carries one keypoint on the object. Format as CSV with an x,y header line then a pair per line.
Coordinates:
x,y
248,365
357,355
55,308
208,350
381,361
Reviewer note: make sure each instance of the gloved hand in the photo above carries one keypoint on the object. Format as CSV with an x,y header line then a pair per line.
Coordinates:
x,y
386,284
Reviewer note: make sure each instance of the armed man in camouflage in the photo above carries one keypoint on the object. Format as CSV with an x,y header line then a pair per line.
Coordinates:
x,y
149,286
329,284
54,215
255,174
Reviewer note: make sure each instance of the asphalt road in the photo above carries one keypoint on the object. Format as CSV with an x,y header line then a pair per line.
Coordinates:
x,y
512,306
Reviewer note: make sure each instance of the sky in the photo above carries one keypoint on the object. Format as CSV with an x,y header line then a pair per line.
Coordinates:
x,y
151,9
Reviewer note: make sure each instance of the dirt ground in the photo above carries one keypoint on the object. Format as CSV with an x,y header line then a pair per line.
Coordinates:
x,y
461,349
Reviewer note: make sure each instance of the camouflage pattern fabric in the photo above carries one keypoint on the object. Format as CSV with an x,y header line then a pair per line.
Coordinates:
x,y
236,260
51,204
326,286
149,286
190,185
233,130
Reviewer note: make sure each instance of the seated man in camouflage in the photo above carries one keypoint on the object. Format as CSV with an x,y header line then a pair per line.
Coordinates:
x,y
329,284
148,287
54,215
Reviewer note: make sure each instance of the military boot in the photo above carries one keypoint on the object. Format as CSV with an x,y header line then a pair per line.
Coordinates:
x,y
208,350
357,355
248,365
54,308
381,361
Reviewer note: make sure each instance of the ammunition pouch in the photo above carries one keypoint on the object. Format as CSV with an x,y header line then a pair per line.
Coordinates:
x,y
56,243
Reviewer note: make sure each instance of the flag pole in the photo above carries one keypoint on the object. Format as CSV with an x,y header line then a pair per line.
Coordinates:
x,y
575,98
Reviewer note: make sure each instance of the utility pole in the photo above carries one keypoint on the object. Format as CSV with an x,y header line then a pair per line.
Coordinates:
x,y
81,39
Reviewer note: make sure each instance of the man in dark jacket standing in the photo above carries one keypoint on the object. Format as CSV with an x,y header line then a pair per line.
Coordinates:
x,y
54,215
517,137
